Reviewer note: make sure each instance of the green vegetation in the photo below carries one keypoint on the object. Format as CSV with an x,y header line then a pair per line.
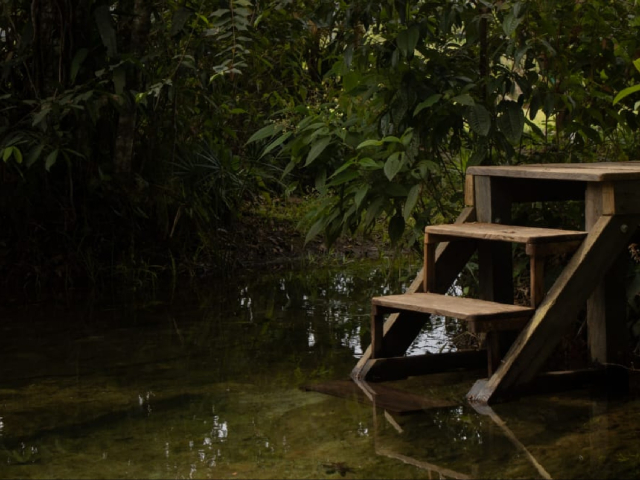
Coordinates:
x,y
135,135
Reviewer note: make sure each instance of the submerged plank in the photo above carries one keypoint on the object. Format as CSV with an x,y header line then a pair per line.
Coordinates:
x,y
387,398
397,368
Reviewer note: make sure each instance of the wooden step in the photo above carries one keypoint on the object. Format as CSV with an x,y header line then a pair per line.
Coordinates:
x,y
483,316
505,233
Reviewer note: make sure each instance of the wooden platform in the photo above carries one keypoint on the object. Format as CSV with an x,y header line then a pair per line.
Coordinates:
x,y
482,315
589,172
504,233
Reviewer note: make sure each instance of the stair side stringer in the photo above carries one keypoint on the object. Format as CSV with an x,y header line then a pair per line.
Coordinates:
x,y
535,343
451,257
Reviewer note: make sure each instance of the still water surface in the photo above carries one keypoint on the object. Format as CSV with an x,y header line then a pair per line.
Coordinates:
x,y
204,382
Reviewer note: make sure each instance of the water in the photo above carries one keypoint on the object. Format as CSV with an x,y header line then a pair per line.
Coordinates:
x,y
205,382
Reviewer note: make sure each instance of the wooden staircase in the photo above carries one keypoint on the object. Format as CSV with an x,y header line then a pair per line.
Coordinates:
x,y
483,316
612,216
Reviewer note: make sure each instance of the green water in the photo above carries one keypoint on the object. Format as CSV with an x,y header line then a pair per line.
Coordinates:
x,y
204,382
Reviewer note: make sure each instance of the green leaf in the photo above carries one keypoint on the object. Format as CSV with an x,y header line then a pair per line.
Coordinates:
x,y
34,155
77,61
317,148
511,122
360,195
105,27
396,229
407,41
369,143
276,143
464,99
51,159
479,120
179,20
315,229
391,139
625,93
17,154
6,154
393,165
265,132
433,99
40,116
412,200
370,163
511,23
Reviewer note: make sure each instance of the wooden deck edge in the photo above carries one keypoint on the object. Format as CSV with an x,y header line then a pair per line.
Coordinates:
x,y
399,368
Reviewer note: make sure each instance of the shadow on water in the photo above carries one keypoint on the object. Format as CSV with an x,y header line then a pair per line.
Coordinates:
x,y
206,384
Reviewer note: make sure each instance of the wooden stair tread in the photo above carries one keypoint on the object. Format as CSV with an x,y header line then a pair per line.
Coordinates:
x,y
462,308
506,233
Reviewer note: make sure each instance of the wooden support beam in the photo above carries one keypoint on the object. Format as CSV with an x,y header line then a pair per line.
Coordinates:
x,y
580,277
469,191
450,260
398,368
537,279
607,305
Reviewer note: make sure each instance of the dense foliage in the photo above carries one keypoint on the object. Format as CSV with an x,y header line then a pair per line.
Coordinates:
x,y
132,131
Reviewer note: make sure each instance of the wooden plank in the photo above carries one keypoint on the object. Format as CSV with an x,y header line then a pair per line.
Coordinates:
x,y
399,368
546,249
503,233
592,172
450,260
510,324
541,190
448,306
390,399
558,309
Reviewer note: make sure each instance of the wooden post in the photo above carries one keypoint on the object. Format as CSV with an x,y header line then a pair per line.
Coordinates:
x,y
493,205
495,262
537,279
377,322
606,307
429,271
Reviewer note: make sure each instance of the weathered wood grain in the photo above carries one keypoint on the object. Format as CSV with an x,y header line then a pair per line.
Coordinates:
x,y
540,336
450,260
504,233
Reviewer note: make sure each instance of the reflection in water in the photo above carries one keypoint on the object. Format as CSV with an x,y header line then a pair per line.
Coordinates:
x,y
206,386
